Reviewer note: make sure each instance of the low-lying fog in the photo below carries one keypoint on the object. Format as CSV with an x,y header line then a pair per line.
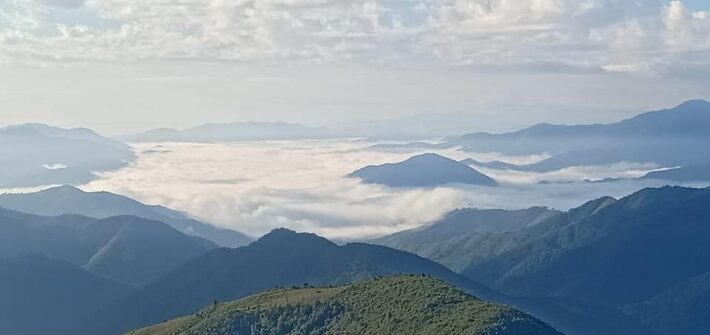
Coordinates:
x,y
258,186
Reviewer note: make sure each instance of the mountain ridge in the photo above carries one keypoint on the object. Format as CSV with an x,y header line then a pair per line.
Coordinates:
x,y
69,199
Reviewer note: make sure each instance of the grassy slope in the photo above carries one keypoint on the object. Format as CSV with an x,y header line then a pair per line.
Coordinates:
x,y
393,305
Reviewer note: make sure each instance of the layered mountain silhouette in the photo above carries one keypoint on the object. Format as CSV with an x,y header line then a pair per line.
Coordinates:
x,y
281,258
237,131
37,154
675,137
128,249
426,170
411,304
643,256
71,200
47,296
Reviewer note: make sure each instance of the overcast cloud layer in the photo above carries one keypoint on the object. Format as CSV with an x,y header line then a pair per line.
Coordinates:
x,y
125,65
549,35
256,187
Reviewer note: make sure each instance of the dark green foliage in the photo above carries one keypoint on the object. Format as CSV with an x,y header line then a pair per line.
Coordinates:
x,y
394,305
280,259
636,265
452,240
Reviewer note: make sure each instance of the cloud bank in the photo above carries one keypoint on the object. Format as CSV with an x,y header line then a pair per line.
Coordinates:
x,y
256,187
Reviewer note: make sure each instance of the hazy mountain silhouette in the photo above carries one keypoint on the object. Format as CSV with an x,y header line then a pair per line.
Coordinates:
x,y
671,137
404,304
126,248
281,258
425,170
71,200
237,131
40,295
36,154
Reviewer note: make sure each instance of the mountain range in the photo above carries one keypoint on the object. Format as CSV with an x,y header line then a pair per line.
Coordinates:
x,y
71,200
643,256
227,132
128,249
37,154
674,139
634,265
426,170
281,258
401,304
451,240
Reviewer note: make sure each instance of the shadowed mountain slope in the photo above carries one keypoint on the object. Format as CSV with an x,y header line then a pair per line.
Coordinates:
x,y
126,248
71,200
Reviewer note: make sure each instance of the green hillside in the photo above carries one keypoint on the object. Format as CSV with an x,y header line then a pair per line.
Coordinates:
x,y
405,304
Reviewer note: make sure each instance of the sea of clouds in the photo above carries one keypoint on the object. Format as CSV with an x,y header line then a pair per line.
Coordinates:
x,y
302,185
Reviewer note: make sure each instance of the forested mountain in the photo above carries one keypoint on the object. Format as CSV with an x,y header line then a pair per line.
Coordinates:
x,y
71,200
452,240
393,305
644,255
282,258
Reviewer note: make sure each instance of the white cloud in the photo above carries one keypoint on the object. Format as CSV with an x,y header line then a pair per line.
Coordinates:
x,y
256,187
613,35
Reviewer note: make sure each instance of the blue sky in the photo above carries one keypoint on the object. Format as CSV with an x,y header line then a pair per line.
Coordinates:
x,y
698,4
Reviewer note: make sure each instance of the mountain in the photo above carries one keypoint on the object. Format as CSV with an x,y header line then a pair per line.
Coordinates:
x,y
237,131
497,165
36,154
675,137
71,200
281,258
392,305
132,250
425,170
643,257
46,296
451,240
694,173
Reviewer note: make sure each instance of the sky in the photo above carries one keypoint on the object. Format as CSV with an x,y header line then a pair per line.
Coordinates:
x,y
120,66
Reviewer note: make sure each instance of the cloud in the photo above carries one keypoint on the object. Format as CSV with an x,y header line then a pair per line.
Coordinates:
x,y
65,4
590,36
302,185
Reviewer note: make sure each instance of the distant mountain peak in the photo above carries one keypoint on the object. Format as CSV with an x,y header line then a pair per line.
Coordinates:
x,y
65,189
695,103
282,237
424,170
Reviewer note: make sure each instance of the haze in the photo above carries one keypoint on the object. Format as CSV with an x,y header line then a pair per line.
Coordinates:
x,y
121,66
